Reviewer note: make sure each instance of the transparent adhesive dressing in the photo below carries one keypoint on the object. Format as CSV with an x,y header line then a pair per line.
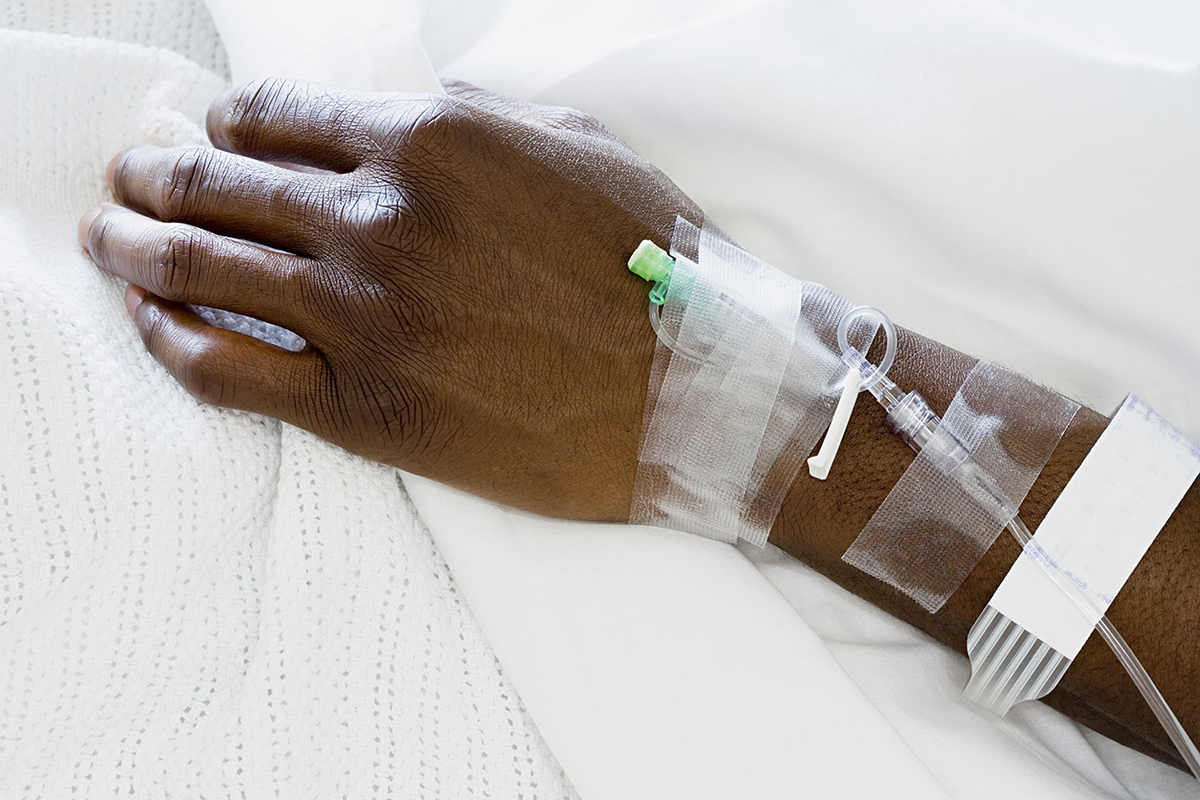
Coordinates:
x,y
743,384
683,370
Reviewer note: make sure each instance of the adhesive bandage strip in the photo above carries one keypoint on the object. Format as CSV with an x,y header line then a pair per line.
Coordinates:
x,y
1095,534
964,486
740,395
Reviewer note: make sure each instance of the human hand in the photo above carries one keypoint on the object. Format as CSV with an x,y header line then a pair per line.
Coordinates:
x,y
455,264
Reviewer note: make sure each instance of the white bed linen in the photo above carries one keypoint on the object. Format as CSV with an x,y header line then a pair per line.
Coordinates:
x,y
658,664
874,147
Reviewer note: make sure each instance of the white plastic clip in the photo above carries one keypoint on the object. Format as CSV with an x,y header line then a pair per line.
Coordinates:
x,y
855,382
818,465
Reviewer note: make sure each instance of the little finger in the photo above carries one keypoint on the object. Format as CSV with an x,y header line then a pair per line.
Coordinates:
x,y
229,369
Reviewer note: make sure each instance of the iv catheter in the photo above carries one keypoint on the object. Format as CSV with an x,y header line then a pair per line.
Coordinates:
x,y
651,263
910,417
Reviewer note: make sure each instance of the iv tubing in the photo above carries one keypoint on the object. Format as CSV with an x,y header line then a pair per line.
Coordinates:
x,y
1153,697
666,338
911,418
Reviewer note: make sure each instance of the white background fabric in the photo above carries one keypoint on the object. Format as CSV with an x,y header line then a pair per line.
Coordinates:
x,y
201,603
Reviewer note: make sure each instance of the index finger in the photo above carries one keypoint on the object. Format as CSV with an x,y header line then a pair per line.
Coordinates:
x,y
278,119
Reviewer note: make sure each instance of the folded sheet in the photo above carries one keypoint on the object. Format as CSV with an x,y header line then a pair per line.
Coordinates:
x,y
658,664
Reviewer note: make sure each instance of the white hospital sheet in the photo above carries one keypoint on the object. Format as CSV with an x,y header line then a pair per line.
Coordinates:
x,y
196,602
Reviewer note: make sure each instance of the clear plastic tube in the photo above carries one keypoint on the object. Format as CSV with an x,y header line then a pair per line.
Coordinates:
x,y
671,343
889,354
911,418
1145,684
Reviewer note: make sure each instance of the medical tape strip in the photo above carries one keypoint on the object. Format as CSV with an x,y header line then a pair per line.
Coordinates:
x,y
1085,549
964,486
727,429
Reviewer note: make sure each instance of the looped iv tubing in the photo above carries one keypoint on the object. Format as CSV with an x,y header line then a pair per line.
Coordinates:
x,y
861,375
874,376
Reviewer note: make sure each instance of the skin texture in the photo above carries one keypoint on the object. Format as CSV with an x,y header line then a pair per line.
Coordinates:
x,y
456,266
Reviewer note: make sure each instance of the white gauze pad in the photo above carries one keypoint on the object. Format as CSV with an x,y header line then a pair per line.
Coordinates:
x,y
734,411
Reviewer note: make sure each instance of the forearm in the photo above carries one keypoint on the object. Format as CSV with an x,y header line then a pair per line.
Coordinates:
x,y
1155,611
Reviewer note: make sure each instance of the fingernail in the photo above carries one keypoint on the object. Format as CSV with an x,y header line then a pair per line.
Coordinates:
x,y
85,224
133,298
111,169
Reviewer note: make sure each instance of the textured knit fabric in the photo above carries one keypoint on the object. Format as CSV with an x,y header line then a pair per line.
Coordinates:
x,y
196,602
182,26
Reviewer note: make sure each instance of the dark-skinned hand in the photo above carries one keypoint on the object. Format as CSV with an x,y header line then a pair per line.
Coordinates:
x,y
454,263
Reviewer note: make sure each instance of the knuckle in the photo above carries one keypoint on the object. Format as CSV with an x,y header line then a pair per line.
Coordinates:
x,y
250,104
195,363
425,128
176,263
371,218
399,410
186,180
200,373
570,119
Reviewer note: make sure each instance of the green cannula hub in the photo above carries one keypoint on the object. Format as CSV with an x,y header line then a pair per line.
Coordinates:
x,y
651,263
